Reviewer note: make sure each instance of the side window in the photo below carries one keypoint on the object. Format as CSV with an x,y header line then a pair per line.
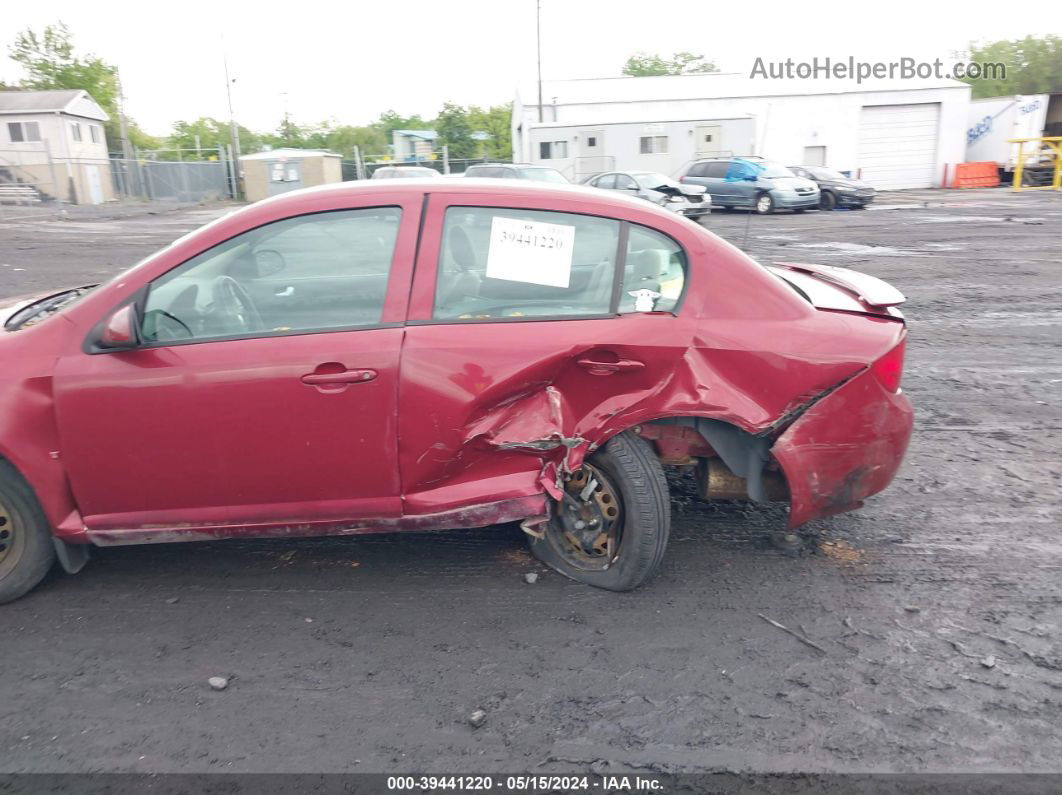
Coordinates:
x,y
309,273
654,272
608,181
623,182
698,170
497,263
717,169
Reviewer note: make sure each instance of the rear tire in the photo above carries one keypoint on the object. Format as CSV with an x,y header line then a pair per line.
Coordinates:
x,y
634,473
26,550
827,201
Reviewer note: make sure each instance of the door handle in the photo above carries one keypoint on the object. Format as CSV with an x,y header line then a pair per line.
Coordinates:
x,y
343,377
608,368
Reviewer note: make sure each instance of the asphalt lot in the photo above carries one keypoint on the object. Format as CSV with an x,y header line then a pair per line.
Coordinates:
x,y
937,607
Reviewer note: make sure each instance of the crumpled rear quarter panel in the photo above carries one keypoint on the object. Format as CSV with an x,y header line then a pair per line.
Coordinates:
x,y
844,448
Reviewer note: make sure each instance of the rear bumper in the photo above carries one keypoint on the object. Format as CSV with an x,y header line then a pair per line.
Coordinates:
x,y
844,448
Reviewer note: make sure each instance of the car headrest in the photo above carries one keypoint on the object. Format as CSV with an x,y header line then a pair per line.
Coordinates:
x,y
461,250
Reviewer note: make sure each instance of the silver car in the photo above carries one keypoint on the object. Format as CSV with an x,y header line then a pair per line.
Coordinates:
x,y
691,201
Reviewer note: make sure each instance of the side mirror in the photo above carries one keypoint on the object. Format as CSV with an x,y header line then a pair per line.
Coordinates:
x,y
119,331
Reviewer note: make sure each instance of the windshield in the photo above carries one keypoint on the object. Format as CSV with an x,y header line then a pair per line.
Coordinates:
x,y
543,174
774,170
826,173
652,179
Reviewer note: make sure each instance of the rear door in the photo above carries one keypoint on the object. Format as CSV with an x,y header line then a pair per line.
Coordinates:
x,y
528,325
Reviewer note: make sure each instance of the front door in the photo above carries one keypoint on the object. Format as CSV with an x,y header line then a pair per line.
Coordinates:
x,y
707,138
265,391
592,158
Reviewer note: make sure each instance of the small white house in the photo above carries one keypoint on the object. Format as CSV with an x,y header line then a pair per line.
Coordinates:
x,y
54,141
893,133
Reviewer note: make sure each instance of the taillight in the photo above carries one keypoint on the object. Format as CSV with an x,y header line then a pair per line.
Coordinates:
x,y
682,179
889,368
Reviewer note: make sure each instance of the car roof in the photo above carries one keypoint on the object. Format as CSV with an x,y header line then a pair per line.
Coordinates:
x,y
418,186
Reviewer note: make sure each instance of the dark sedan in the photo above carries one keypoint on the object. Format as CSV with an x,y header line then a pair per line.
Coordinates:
x,y
835,189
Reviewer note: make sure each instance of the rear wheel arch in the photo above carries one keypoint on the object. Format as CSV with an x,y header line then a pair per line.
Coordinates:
x,y
746,454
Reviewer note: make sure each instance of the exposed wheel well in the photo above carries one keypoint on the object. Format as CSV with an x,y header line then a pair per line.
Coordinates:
x,y
681,441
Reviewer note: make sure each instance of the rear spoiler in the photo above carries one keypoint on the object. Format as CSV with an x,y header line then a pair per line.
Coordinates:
x,y
870,289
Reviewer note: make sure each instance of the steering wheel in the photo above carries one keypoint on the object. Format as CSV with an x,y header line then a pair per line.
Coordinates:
x,y
234,303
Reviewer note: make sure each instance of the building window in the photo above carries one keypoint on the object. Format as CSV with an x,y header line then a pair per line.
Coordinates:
x,y
653,144
75,131
552,150
591,140
19,131
94,131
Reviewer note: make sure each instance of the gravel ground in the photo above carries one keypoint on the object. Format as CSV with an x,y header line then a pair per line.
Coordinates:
x,y
937,607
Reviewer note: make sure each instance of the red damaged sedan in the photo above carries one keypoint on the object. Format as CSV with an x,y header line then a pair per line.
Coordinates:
x,y
413,355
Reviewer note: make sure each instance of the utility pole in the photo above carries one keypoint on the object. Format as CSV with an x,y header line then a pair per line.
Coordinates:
x,y
234,162
123,125
538,44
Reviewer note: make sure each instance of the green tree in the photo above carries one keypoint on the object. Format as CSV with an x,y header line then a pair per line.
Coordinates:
x,y
495,121
370,140
50,62
210,133
1033,66
390,121
455,131
681,63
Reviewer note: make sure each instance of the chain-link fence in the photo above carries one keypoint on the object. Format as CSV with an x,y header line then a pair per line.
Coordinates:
x,y
171,180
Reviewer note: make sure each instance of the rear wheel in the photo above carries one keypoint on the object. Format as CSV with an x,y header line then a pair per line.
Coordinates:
x,y
827,201
26,551
611,528
764,204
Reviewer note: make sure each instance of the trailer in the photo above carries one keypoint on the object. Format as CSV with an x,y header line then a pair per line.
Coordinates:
x,y
996,121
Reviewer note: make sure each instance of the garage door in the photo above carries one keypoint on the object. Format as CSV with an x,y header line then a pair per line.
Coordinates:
x,y
898,145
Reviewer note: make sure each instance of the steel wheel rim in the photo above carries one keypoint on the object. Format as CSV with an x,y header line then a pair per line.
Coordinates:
x,y
763,204
593,547
11,541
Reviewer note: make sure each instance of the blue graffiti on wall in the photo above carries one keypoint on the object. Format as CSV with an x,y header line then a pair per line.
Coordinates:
x,y
978,130
1034,105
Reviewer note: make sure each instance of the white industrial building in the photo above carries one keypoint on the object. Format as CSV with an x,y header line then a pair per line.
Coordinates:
x,y
892,133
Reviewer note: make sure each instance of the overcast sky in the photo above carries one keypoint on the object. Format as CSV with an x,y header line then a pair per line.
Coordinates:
x,y
349,61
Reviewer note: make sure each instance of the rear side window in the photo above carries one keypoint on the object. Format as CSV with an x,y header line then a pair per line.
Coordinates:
x,y
488,171
717,168
500,264
654,272
607,181
698,170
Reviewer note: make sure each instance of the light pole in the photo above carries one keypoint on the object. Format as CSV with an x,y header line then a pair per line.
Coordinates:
x,y
538,46
233,131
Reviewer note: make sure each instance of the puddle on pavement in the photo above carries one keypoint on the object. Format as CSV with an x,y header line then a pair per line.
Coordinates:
x,y
977,219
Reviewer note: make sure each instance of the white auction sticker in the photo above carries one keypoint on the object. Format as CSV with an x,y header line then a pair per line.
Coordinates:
x,y
530,251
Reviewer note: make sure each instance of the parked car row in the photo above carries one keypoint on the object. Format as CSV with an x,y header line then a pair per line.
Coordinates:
x,y
751,183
